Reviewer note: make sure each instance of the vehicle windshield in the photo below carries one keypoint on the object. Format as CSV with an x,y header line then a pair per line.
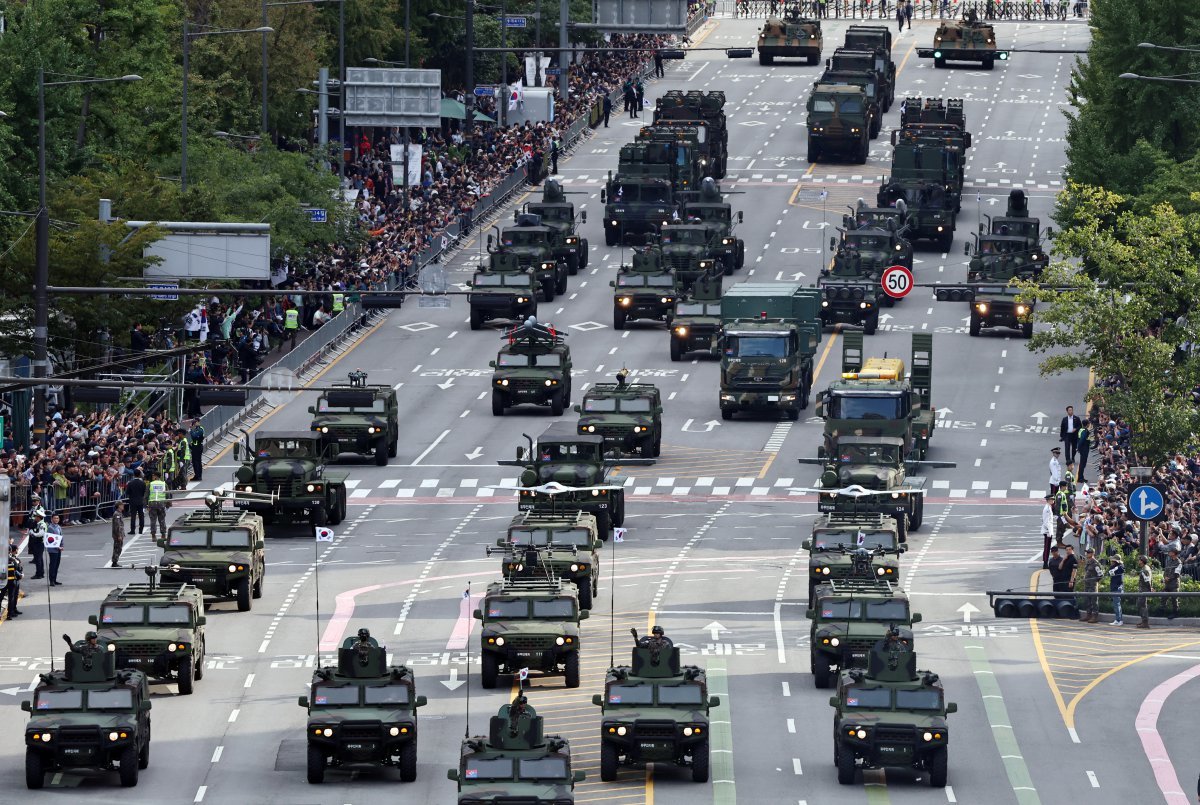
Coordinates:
x,y
756,346
847,406
679,694
518,359
331,696
169,614
518,237
646,194
919,700
645,281
690,237
554,608
567,452
282,448
630,694
841,610
868,243
542,768
187,538
59,700
116,699
115,614
551,212
869,698
496,768
868,454
386,694
628,406
892,611
854,539
520,280
851,106
351,401
542,537
239,538
822,104
500,609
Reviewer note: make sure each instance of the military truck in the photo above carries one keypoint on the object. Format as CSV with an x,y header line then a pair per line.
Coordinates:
x,y
852,546
840,122
88,716
870,83
684,152
362,712
564,546
925,177
890,714
627,415
854,60
1015,223
532,368
964,40
157,629
357,418
847,617
770,336
502,295
791,36
877,40
515,762
705,111
219,552
533,245
530,623
655,710
635,206
869,474
851,284
645,289
289,469
709,208
941,125
696,323
554,211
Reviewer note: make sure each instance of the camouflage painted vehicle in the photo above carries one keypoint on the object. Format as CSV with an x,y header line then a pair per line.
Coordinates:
x,y
676,146
876,469
557,213
636,205
708,207
627,415
76,712
941,125
876,40
859,546
891,715
696,323
964,40
533,367
706,111
157,629
840,122
565,546
791,36
655,711
515,762
851,289
222,553
293,467
693,249
533,245
362,713
357,418
872,87
645,290
530,623
925,177
847,617
866,61
502,295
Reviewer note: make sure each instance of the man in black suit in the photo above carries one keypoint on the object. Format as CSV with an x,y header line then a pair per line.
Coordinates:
x,y
1067,433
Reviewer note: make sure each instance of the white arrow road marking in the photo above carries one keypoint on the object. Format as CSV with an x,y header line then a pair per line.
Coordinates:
x,y
446,385
715,630
1039,416
474,454
968,609
453,683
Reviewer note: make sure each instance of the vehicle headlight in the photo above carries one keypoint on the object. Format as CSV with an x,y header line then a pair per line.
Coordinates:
x,y
112,646
590,428
248,488
928,736
726,241
854,131
504,382
324,429
521,300
327,732
638,428
879,571
559,641
861,734
1022,310
687,732
982,307
172,646
614,222
895,495
625,301
575,568
862,305
681,331
572,240
595,493
824,303
939,229
112,736
667,300
233,568
621,730
833,641
370,430
394,731
499,641
45,737
310,488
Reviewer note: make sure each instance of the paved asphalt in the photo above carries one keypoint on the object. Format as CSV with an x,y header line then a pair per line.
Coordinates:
x,y
713,549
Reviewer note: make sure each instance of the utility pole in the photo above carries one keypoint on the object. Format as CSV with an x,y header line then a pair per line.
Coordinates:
x,y
503,106
564,58
469,95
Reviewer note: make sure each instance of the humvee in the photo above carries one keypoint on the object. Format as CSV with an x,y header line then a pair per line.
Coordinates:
x,y
530,623
533,367
292,467
560,545
844,546
627,415
847,617
222,553
357,418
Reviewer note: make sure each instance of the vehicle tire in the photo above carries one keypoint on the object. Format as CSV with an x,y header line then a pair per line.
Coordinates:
x,y
243,595
610,238
393,448
822,676
618,513
939,63
319,516
585,595
938,763
316,765
604,525
845,768
583,253
889,301
793,414
1027,329
618,319
989,64
700,763
918,515
726,414
814,152
339,508
144,754
976,323
556,404
497,404
764,59
548,291
561,287
656,448
476,319
610,759
872,323
741,253
186,676
408,762
572,265
198,672
860,155
35,770
256,588
571,669
381,453
490,670
814,59
128,767
946,241
676,349
902,529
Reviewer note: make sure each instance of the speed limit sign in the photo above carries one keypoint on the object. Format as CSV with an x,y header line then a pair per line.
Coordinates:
x,y
897,281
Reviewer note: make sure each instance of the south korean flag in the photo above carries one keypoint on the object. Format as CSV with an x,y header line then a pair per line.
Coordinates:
x,y
324,534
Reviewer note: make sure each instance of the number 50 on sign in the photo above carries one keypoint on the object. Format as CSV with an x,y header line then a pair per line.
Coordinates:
x,y
897,281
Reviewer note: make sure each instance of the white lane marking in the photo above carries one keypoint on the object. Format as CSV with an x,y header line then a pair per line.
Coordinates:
x,y
791,725
796,766
436,350
777,613
613,351
429,449
452,334
1091,775
200,793
216,758
464,413
397,386
787,689
482,394
233,716
416,368
1074,735
559,311
249,681
950,794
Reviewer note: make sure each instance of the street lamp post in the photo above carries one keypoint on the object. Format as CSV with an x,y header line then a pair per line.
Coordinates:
x,y
1170,79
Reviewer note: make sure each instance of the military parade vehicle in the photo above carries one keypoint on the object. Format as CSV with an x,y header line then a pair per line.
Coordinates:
x,y
852,292
897,219
940,125
840,122
770,336
502,295
655,711
627,415
869,82
555,212
357,418
847,617
709,208
696,323
693,249
869,474
858,546
635,206
890,714
88,716
664,151
515,762
530,623
362,712
551,545
964,40
705,111
290,471
533,244
157,629
219,552
854,60
877,40
533,367
644,289
925,177
791,36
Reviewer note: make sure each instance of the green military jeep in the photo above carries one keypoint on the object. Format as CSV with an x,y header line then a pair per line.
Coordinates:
x,y
286,478
530,623
362,713
557,213
533,367
511,296
220,552
858,546
645,290
562,545
848,616
891,715
627,415
358,418
696,325
88,716
157,629
534,247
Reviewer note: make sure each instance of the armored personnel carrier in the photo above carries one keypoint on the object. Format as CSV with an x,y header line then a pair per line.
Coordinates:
x,y
706,112
555,212
362,712
644,290
530,623
792,36
852,546
220,553
502,295
655,711
692,250
636,206
530,245
533,367
516,762
627,415
890,714
847,618
548,545
964,40
290,471
357,418
840,122
696,323
88,716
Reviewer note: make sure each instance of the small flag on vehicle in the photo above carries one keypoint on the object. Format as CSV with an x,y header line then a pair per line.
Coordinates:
x,y
861,538
324,534
523,674
619,534
467,593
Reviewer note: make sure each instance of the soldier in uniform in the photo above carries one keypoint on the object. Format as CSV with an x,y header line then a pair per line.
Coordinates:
x,y
12,582
196,439
1091,583
89,644
1145,585
118,533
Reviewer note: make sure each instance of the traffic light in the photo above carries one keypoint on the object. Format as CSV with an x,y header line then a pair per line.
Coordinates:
x,y
97,394
739,53
382,301
1033,605
219,396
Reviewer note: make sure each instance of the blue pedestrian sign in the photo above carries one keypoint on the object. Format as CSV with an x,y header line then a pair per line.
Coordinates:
x,y
514,22
484,92
1146,502
317,215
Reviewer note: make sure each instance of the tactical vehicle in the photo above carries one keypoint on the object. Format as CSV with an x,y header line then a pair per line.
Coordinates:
x,y
870,83
548,545
362,712
694,249
876,40
770,336
655,711
533,245
220,552
859,546
848,616
530,623
925,177
157,629
696,323
635,206
515,762
644,290
853,60
791,36
667,151
940,125
358,418
709,208
869,474
502,295
840,122
290,470
627,415
896,220
556,212
533,367
706,111
964,40
891,714
88,716
851,285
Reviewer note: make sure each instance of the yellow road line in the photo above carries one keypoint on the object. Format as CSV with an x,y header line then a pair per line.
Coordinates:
x,y
799,184
1041,653
817,372
767,466
904,61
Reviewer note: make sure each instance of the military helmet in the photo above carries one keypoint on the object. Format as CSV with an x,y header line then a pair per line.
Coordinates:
x,y
91,636
364,634
657,630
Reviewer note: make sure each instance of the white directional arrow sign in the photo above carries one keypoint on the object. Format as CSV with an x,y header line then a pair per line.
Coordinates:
x,y
919,81
943,411
1000,164
1147,507
453,682
715,630
1009,133
708,426
446,385
1039,416
885,317
992,201
474,454
967,611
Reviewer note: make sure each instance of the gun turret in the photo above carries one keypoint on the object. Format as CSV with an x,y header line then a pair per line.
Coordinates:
x,y
362,656
516,726
892,659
